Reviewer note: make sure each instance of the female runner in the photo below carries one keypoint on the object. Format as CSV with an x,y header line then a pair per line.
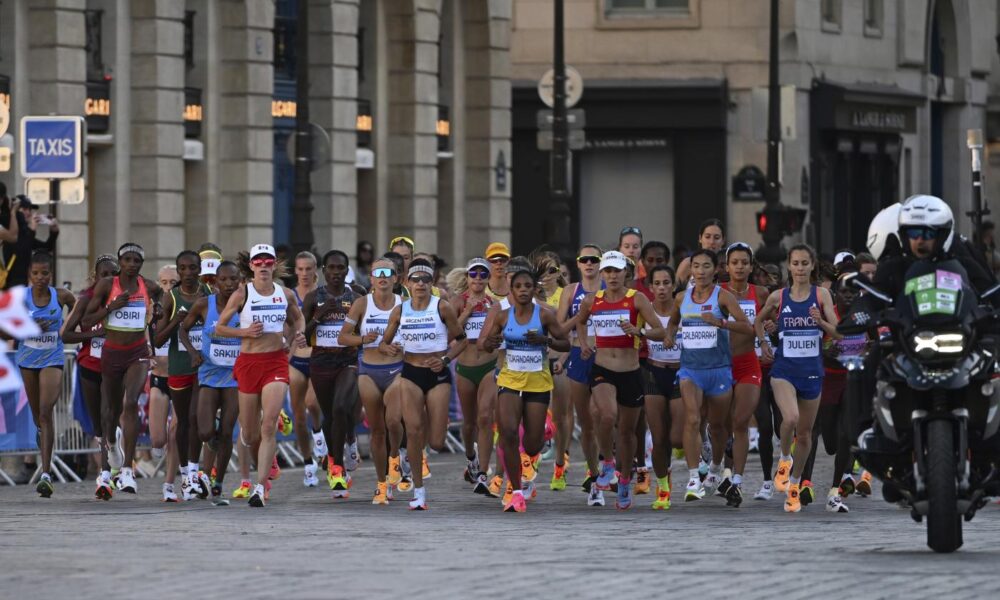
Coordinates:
x,y
303,396
711,236
551,283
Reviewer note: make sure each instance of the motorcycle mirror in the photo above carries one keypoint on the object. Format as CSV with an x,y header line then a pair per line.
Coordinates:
x,y
859,282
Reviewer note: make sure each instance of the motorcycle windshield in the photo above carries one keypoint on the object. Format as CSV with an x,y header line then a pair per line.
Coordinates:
x,y
936,294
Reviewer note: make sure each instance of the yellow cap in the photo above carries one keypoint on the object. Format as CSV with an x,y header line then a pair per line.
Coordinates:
x,y
497,249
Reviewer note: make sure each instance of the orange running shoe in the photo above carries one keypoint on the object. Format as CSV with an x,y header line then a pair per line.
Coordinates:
x,y
781,477
864,487
426,467
792,502
395,471
275,473
508,494
528,472
641,481
495,486
516,504
381,494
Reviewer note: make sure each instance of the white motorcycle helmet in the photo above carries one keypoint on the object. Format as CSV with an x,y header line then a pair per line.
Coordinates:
x,y
927,212
883,233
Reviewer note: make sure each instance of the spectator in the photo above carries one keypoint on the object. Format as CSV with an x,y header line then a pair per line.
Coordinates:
x,y
363,259
988,244
20,251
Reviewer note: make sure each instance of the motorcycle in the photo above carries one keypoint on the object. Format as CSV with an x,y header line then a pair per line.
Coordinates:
x,y
936,409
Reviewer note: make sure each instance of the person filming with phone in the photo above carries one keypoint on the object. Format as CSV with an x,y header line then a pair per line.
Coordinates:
x,y
17,255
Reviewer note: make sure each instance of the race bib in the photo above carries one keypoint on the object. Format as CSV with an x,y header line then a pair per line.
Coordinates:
x,y
700,337
195,336
658,351
96,347
525,360
474,325
163,350
224,352
609,324
46,341
800,344
327,334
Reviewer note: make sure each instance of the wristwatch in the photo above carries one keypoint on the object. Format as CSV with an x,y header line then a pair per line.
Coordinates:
x,y
446,360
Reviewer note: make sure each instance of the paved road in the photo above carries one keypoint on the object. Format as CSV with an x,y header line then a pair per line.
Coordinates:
x,y
303,545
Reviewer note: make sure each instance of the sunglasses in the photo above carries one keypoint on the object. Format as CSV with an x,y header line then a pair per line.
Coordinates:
x,y
420,278
551,270
401,240
382,272
630,230
262,262
927,233
479,274
499,260
739,246
588,260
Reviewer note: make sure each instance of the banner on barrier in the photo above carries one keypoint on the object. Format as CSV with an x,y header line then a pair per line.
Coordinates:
x,y
17,429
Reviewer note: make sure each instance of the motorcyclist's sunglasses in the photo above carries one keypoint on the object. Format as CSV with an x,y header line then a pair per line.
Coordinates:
x,y
926,233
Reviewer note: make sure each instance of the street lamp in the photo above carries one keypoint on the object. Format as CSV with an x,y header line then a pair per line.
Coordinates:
x,y
302,207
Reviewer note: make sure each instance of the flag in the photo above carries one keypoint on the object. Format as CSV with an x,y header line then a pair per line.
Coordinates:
x,y
15,319
10,378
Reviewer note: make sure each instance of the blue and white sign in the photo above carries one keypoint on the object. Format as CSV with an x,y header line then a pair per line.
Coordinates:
x,y
51,147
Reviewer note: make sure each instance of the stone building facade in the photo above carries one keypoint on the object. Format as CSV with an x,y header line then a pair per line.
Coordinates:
x,y
189,104
877,97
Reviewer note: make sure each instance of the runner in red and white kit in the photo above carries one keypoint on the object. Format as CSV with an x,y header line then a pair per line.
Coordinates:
x,y
268,313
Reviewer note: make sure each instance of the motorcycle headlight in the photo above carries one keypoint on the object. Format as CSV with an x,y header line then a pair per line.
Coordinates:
x,y
929,343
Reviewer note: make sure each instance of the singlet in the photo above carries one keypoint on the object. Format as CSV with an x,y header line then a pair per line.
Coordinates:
x,y
270,310
751,305
45,349
578,295
327,334
492,294
376,320
220,353
554,299
178,361
608,318
525,367
658,351
135,315
798,352
89,354
474,326
422,332
848,346
704,346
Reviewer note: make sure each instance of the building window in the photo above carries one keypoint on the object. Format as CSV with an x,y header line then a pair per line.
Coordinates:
x,y
830,12
648,14
92,44
631,7
284,46
189,39
873,18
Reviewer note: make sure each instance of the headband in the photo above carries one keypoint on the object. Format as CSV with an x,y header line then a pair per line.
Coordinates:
x,y
132,248
419,269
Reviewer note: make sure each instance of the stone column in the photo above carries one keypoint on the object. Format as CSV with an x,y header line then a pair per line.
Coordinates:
x,y
487,123
56,73
157,171
333,76
413,27
246,82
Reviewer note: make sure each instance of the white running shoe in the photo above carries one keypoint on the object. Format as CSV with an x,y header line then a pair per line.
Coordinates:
x,y
126,481
310,479
187,492
694,490
712,481
205,483
168,493
257,498
157,453
596,497
319,446
835,504
419,501
765,492
754,440
351,457
116,456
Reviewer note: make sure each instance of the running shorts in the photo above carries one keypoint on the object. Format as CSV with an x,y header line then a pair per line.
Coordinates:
x,y
539,397
159,382
424,378
712,382
746,369
301,364
477,373
381,375
578,369
659,381
115,359
628,384
806,388
834,384
182,382
254,370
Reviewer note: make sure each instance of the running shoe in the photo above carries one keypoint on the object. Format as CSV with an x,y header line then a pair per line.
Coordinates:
x,y
781,477
157,453
496,485
419,501
352,458
529,490
694,491
482,484
405,484
309,478
319,446
404,463
558,482
217,490
865,485
381,493
103,491
126,481
507,494
44,487
662,501
596,496
168,493
623,501
206,485
792,501
528,472
517,503
426,467
702,470
244,490
285,423
706,449
187,492
806,493
257,498
213,476
727,481
588,482
765,492
711,482
388,492
275,473
754,435
116,456
835,504
535,461
336,479
395,472
606,474
734,496
846,487
471,470
678,453
641,481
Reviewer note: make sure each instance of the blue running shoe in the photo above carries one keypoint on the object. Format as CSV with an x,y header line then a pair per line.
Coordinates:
x,y
624,500
606,475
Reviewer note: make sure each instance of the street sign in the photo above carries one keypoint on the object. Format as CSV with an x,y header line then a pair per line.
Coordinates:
x,y
51,147
749,184
4,118
576,137
575,119
320,154
39,191
72,191
4,159
574,87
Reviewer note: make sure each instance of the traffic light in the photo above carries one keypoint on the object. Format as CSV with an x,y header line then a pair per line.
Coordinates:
x,y
777,221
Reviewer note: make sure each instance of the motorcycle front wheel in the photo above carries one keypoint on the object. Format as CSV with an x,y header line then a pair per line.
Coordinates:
x,y
944,524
